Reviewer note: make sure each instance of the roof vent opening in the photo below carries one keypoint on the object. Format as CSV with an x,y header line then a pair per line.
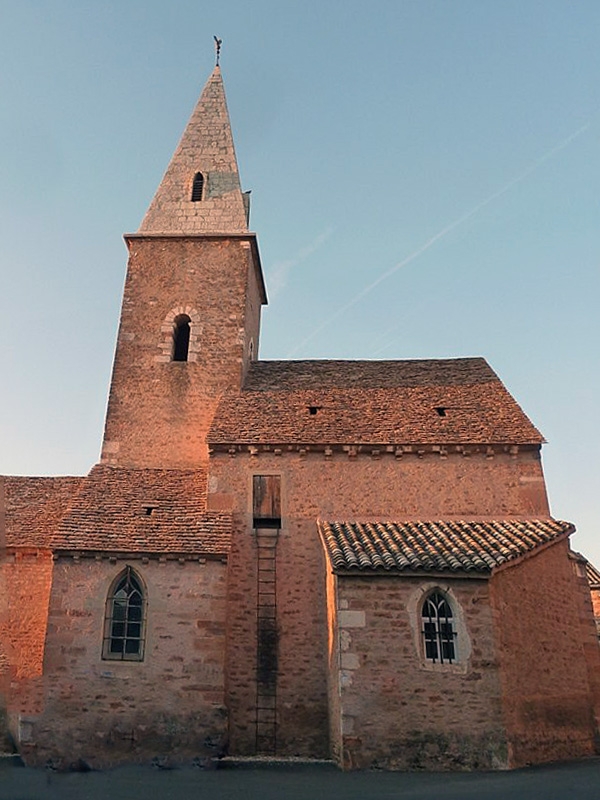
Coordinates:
x,y
312,410
440,411
149,510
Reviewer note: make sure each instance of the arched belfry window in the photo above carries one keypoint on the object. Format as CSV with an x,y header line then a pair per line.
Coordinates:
x,y
439,633
181,337
124,622
197,187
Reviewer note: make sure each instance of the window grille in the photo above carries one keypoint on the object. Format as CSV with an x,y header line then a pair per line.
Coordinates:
x,y
181,338
197,187
438,629
124,624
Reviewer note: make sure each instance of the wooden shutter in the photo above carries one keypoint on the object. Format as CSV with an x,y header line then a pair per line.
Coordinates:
x,y
266,499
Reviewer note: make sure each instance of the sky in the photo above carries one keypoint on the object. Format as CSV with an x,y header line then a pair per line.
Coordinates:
x,y
425,183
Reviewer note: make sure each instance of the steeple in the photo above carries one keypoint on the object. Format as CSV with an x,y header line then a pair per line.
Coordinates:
x,y
190,319
200,192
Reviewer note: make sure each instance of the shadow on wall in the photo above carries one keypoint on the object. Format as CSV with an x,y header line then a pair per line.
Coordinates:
x,y
7,744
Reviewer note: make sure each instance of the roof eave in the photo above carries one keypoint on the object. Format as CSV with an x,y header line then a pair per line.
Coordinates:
x,y
381,572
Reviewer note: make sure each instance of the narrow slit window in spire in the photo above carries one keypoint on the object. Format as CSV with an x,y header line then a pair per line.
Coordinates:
x,y
197,187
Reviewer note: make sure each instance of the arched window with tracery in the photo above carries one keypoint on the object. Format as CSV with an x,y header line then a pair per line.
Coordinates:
x,y
438,629
181,337
197,187
125,618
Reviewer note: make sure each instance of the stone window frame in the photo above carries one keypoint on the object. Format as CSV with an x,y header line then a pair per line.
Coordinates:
x,y
462,639
167,339
111,619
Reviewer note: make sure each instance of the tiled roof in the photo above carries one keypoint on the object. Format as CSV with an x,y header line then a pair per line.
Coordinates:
x,y
144,510
443,546
118,510
455,401
593,575
34,508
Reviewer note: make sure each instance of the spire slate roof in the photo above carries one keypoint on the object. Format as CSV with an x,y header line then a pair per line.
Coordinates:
x,y
440,546
206,147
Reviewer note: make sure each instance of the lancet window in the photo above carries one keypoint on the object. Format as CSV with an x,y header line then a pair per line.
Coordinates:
x,y
125,619
197,187
439,633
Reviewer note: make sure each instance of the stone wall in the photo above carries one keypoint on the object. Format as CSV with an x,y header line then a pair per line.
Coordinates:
x,y
242,639
301,691
399,710
335,487
26,577
336,743
252,316
339,486
159,410
589,637
541,637
595,598
171,704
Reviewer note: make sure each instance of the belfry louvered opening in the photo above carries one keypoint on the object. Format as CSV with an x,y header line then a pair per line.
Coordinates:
x,y
198,187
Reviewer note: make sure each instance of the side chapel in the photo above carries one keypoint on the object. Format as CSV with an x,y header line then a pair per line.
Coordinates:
x,y
351,560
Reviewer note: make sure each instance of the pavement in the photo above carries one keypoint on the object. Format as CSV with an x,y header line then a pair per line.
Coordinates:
x,y
573,781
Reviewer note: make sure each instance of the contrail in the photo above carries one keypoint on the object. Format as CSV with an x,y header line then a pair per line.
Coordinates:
x,y
430,242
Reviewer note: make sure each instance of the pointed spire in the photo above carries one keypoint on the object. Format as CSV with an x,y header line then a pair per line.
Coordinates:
x,y
200,191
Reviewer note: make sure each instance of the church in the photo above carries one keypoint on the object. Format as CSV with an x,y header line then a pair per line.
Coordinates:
x,y
344,560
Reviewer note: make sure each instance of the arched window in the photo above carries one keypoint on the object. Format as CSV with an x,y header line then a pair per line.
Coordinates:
x,y
438,629
197,187
124,622
181,338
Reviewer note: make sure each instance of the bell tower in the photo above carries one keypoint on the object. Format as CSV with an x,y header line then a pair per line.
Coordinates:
x,y
190,317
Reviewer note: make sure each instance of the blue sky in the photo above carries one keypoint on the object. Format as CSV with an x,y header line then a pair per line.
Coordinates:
x,y
450,146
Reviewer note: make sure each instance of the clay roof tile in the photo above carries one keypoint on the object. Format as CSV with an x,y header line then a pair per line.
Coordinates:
x,y
435,546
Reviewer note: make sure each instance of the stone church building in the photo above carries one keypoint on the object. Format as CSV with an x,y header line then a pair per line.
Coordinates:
x,y
351,560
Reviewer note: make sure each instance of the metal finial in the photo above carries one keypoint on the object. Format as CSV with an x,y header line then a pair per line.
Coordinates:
x,y
218,43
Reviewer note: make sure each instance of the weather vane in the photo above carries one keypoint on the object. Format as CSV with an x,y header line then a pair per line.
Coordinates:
x,y
218,43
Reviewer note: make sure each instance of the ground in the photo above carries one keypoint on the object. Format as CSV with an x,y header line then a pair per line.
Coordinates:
x,y
575,781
